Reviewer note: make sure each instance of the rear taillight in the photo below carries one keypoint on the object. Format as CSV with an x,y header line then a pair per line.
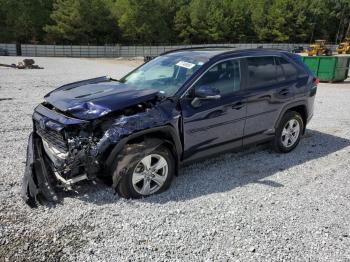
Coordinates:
x,y
316,80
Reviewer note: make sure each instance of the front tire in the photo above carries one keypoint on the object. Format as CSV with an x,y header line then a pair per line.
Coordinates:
x,y
147,173
288,132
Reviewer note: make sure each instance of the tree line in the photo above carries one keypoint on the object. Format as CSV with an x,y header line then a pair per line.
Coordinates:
x,y
172,21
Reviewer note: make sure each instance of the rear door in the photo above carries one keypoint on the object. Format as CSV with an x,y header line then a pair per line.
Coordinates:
x,y
217,122
294,75
268,91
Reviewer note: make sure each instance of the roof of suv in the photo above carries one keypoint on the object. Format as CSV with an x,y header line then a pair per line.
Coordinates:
x,y
212,52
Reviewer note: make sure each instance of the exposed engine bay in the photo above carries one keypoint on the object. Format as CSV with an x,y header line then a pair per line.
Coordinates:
x,y
86,143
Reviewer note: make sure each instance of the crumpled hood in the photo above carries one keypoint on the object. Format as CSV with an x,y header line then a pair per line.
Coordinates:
x,y
93,98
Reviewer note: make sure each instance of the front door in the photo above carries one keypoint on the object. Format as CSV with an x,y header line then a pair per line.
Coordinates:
x,y
215,123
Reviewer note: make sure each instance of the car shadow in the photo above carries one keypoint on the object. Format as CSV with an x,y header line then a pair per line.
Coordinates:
x,y
227,171
255,165
345,82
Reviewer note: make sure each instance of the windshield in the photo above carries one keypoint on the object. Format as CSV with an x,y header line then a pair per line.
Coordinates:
x,y
165,73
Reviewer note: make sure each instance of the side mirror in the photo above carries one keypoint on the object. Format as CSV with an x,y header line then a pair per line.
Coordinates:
x,y
205,92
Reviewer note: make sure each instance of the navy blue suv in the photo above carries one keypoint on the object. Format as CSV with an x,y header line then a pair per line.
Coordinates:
x,y
181,106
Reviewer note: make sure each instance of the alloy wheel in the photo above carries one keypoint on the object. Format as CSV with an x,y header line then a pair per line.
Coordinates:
x,y
150,174
290,133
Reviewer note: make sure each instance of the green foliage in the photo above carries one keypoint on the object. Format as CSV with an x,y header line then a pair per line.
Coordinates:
x,y
22,20
336,21
287,21
172,21
82,21
143,21
214,21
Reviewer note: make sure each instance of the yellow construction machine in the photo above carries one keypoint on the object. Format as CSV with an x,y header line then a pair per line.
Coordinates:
x,y
344,47
319,48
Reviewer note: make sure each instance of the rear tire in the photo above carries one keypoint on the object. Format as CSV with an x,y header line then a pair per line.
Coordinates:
x,y
142,177
288,132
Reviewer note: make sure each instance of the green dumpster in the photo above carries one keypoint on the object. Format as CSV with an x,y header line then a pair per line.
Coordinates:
x,y
328,68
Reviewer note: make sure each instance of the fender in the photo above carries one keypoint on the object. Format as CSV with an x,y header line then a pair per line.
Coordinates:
x,y
289,106
164,129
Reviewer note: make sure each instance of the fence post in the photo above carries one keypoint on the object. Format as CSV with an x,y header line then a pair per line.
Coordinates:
x,y
18,49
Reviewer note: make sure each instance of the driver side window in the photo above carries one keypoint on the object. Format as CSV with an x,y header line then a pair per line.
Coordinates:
x,y
225,76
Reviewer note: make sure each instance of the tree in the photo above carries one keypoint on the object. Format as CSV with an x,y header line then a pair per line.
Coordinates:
x,y
23,20
164,21
330,18
287,21
142,21
82,21
214,21
259,18
236,23
182,25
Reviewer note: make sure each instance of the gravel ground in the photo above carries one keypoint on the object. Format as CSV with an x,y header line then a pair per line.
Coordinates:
x,y
248,206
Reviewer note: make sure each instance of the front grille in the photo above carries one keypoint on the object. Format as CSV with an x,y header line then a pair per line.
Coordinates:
x,y
54,138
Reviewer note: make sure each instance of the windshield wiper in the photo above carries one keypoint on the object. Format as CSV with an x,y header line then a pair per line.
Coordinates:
x,y
113,79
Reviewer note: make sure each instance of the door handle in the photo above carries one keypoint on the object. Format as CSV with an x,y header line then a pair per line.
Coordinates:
x,y
238,105
265,97
284,92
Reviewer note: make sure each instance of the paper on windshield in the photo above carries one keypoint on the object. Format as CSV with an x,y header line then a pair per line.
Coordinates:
x,y
185,64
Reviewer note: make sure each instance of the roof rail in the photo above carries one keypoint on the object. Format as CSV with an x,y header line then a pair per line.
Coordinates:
x,y
196,48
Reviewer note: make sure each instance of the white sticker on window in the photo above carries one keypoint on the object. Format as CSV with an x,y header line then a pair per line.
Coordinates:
x,y
185,64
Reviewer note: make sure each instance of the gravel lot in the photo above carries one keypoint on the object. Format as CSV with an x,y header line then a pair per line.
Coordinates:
x,y
248,206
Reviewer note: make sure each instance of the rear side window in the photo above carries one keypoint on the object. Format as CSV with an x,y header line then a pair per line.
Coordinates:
x,y
289,69
297,59
280,77
261,71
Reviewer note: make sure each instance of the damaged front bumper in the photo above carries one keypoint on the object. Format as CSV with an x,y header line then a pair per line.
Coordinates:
x,y
40,178
37,184
47,152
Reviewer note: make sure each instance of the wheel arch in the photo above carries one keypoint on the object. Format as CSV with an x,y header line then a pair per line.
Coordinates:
x,y
166,134
299,107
